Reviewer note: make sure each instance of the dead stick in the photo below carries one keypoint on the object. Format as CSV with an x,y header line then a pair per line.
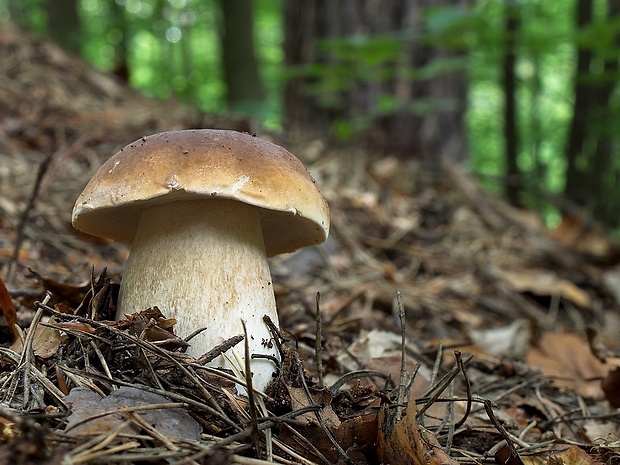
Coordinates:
x,y
21,227
461,365
488,407
318,348
38,187
403,357
251,399
343,454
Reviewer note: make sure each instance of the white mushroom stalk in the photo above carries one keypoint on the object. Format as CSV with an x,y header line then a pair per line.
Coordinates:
x,y
203,262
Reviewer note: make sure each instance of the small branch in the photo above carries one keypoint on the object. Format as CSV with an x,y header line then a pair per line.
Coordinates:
x,y
218,349
403,357
461,365
40,185
334,388
21,227
488,407
439,387
318,347
250,389
343,454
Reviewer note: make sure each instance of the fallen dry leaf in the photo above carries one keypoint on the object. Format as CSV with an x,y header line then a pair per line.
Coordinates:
x,y
376,350
312,429
8,310
611,387
507,456
85,404
151,325
567,455
602,432
45,343
404,442
568,358
511,341
544,283
75,326
357,434
582,235
73,294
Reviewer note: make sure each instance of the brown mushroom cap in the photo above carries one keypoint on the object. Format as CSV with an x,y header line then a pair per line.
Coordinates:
x,y
205,164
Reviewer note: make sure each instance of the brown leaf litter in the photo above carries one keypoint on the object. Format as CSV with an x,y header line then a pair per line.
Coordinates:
x,y
398,383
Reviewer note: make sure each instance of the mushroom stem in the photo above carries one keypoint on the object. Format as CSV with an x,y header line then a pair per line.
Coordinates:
x,y
203,262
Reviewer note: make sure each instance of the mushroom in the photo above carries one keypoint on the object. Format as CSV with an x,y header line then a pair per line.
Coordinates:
x,y
202,210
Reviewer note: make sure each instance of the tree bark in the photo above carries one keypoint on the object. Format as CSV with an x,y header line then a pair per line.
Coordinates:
x,y
581,112
241,72
509,84
602,181
63,23
591,175
427,120
118,20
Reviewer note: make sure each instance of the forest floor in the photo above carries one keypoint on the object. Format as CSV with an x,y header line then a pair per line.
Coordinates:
x,y
454,328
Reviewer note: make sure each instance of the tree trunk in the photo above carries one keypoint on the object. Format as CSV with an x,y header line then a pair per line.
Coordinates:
x,y
118,21
602,177
509,84
424,115
63,23
591,174
581,112
299,108
243,82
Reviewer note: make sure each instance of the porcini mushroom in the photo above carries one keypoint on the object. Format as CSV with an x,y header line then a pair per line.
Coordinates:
x,y
202,210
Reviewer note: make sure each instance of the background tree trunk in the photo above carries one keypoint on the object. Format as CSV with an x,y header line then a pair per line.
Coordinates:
x,y
243,81
425,119
573,188
63,23
118,21
603,180
591,175
509,84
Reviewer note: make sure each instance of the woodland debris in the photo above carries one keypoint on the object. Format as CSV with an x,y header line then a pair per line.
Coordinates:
x,y
464,263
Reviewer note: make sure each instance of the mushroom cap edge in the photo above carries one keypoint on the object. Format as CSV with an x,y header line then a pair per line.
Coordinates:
x,y
205,164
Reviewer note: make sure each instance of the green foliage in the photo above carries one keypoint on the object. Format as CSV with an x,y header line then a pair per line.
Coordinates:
x,y
173,50
473,40
171,46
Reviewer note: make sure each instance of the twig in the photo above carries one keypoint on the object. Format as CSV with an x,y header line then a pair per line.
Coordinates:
x,y
276,334
187,371
26,371
152,431
136,408
250,390
438,388
437,364
218,349
21,227
488,408
450,419
318,347
38,187
90,456
102,360
317,413
334,388
306,443
403,357
97,443
461,365
286,449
